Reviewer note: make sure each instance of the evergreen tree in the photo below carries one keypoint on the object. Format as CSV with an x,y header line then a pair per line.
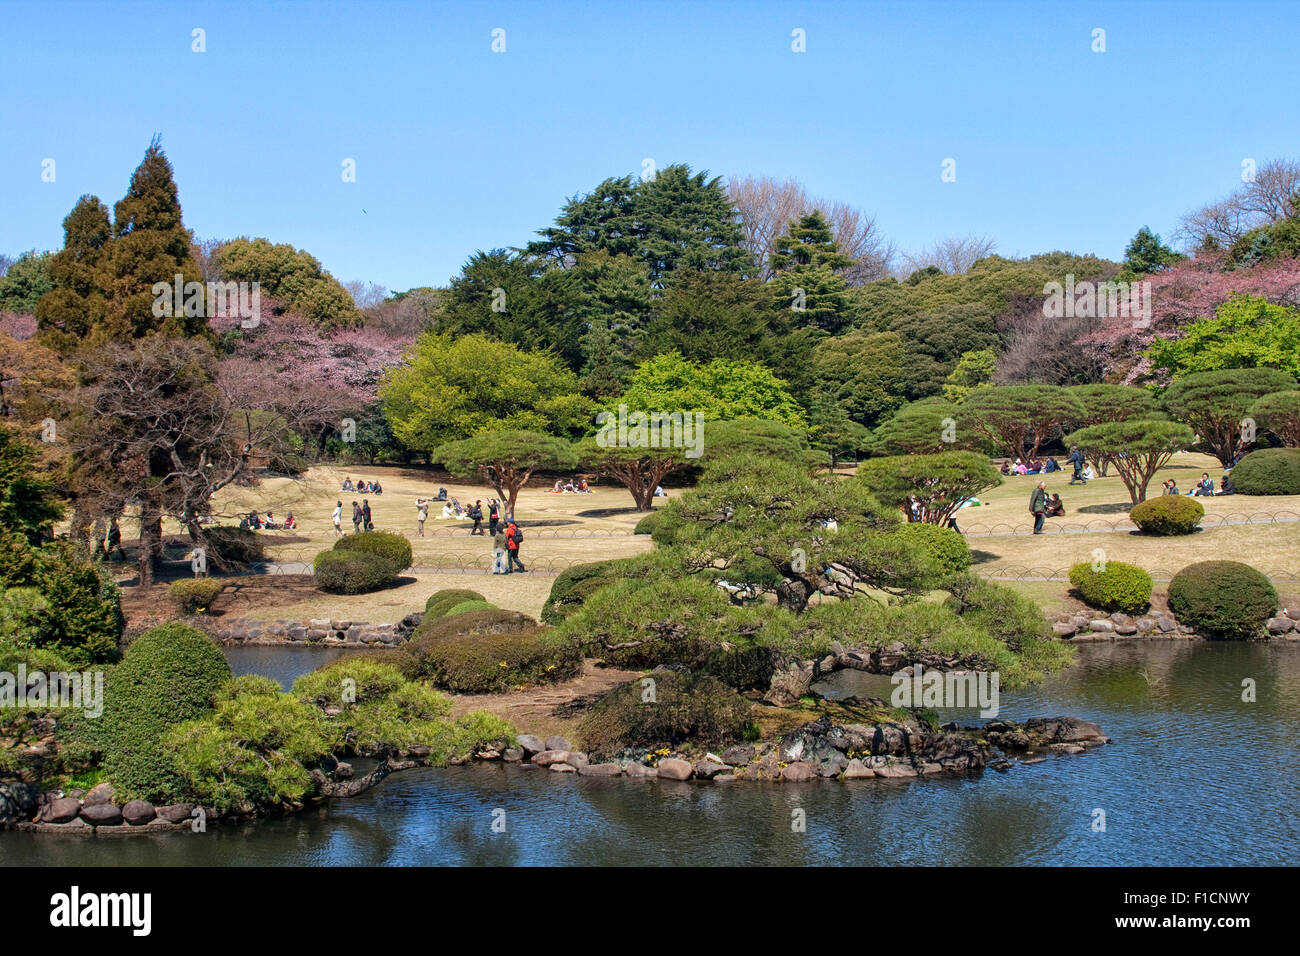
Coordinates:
x,y
806,261
66,314
1146,253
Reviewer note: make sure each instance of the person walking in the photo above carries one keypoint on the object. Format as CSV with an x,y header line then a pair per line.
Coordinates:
x,y
514,535
477,514
421,514
356,517
338,517
114,540
1076,459
494,516
365,516
1038,506
499,547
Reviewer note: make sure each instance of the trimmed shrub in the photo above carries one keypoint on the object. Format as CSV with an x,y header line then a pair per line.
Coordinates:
x,y
171,674
193,595
392,548
485,650
440,602
465,606
1167,515
370,679
352,572
647,524
1268,471
687,707
239,545
1225,599
1118,587
574,585
945,547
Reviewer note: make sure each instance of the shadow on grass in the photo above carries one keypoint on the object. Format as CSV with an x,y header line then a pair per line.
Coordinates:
x,y
1107,509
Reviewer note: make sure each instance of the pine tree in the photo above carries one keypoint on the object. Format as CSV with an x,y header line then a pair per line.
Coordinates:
x,y
805,262
66,314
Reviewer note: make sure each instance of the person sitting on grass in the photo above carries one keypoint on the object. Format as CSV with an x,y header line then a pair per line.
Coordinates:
x,y
1051,466
1006,468
1055,508
378,488
289,523
583,487
559,487
1173,488
1205,486
347,485
1226,486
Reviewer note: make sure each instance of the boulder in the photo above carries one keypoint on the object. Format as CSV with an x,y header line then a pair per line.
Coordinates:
x,y
600,770
1065,630
1166,623
102,815
175,812
707,769
558,743
99,794
1102,626
1119,618
1293,613
564,768
895,770
640,770
1126,629
513,754
61,810
531,744
737,756
1062,729
788,685
670,768
138,812
798,772
1280,625
1145,623
577,759
548,757
857,770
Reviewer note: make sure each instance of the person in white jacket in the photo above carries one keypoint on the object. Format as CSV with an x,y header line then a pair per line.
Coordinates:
x,y
338,517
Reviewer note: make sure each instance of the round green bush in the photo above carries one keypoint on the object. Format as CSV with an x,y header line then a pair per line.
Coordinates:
x,y
485,651
240,545
647,524
1268,471
1118,587
352,572
574,585
440,602
1167,515
1225,599
466,606
392,548
194,594
947,548
170,674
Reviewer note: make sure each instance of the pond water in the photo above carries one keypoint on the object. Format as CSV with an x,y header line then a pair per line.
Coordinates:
x,y
1194,776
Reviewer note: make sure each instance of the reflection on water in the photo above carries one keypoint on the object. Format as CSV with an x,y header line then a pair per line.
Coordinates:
x,y
284,663
1194,776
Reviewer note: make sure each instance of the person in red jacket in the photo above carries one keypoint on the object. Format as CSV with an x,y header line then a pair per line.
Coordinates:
x,y
514,535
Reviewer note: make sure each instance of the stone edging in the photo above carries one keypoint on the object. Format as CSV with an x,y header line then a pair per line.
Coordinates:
x,y
242,631
1087,627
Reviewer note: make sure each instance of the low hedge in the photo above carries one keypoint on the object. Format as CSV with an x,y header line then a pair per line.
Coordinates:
x,y
485,651
352,572
1167,515
193,595
1268,471
675,708
574,585
466,606
1224,599
392,548
1119,587
170,674
440,602
647,524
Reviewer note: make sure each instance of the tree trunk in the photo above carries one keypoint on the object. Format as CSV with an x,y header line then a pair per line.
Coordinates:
x,y
150,540
793,595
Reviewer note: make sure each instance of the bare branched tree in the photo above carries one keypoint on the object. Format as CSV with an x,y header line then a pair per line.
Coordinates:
x,y
1265,199
953,255
767,206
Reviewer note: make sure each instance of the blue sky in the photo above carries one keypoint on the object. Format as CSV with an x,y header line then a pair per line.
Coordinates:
x,y
458,148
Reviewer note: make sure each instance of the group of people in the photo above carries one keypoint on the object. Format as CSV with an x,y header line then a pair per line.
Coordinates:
x,y
360,517
574,486
505,548
1203,488
1033,466
453,509
362,487
1043,506
253,522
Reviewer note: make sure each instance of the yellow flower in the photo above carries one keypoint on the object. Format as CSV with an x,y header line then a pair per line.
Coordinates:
x,y
503,664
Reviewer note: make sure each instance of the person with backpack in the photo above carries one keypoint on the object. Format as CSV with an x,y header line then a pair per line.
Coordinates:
x,y
476,513
514,535
494,516
365,516
1038,506
1076,459
356,517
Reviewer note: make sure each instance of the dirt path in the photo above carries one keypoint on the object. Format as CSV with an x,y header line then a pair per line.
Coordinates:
x,y
533,709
